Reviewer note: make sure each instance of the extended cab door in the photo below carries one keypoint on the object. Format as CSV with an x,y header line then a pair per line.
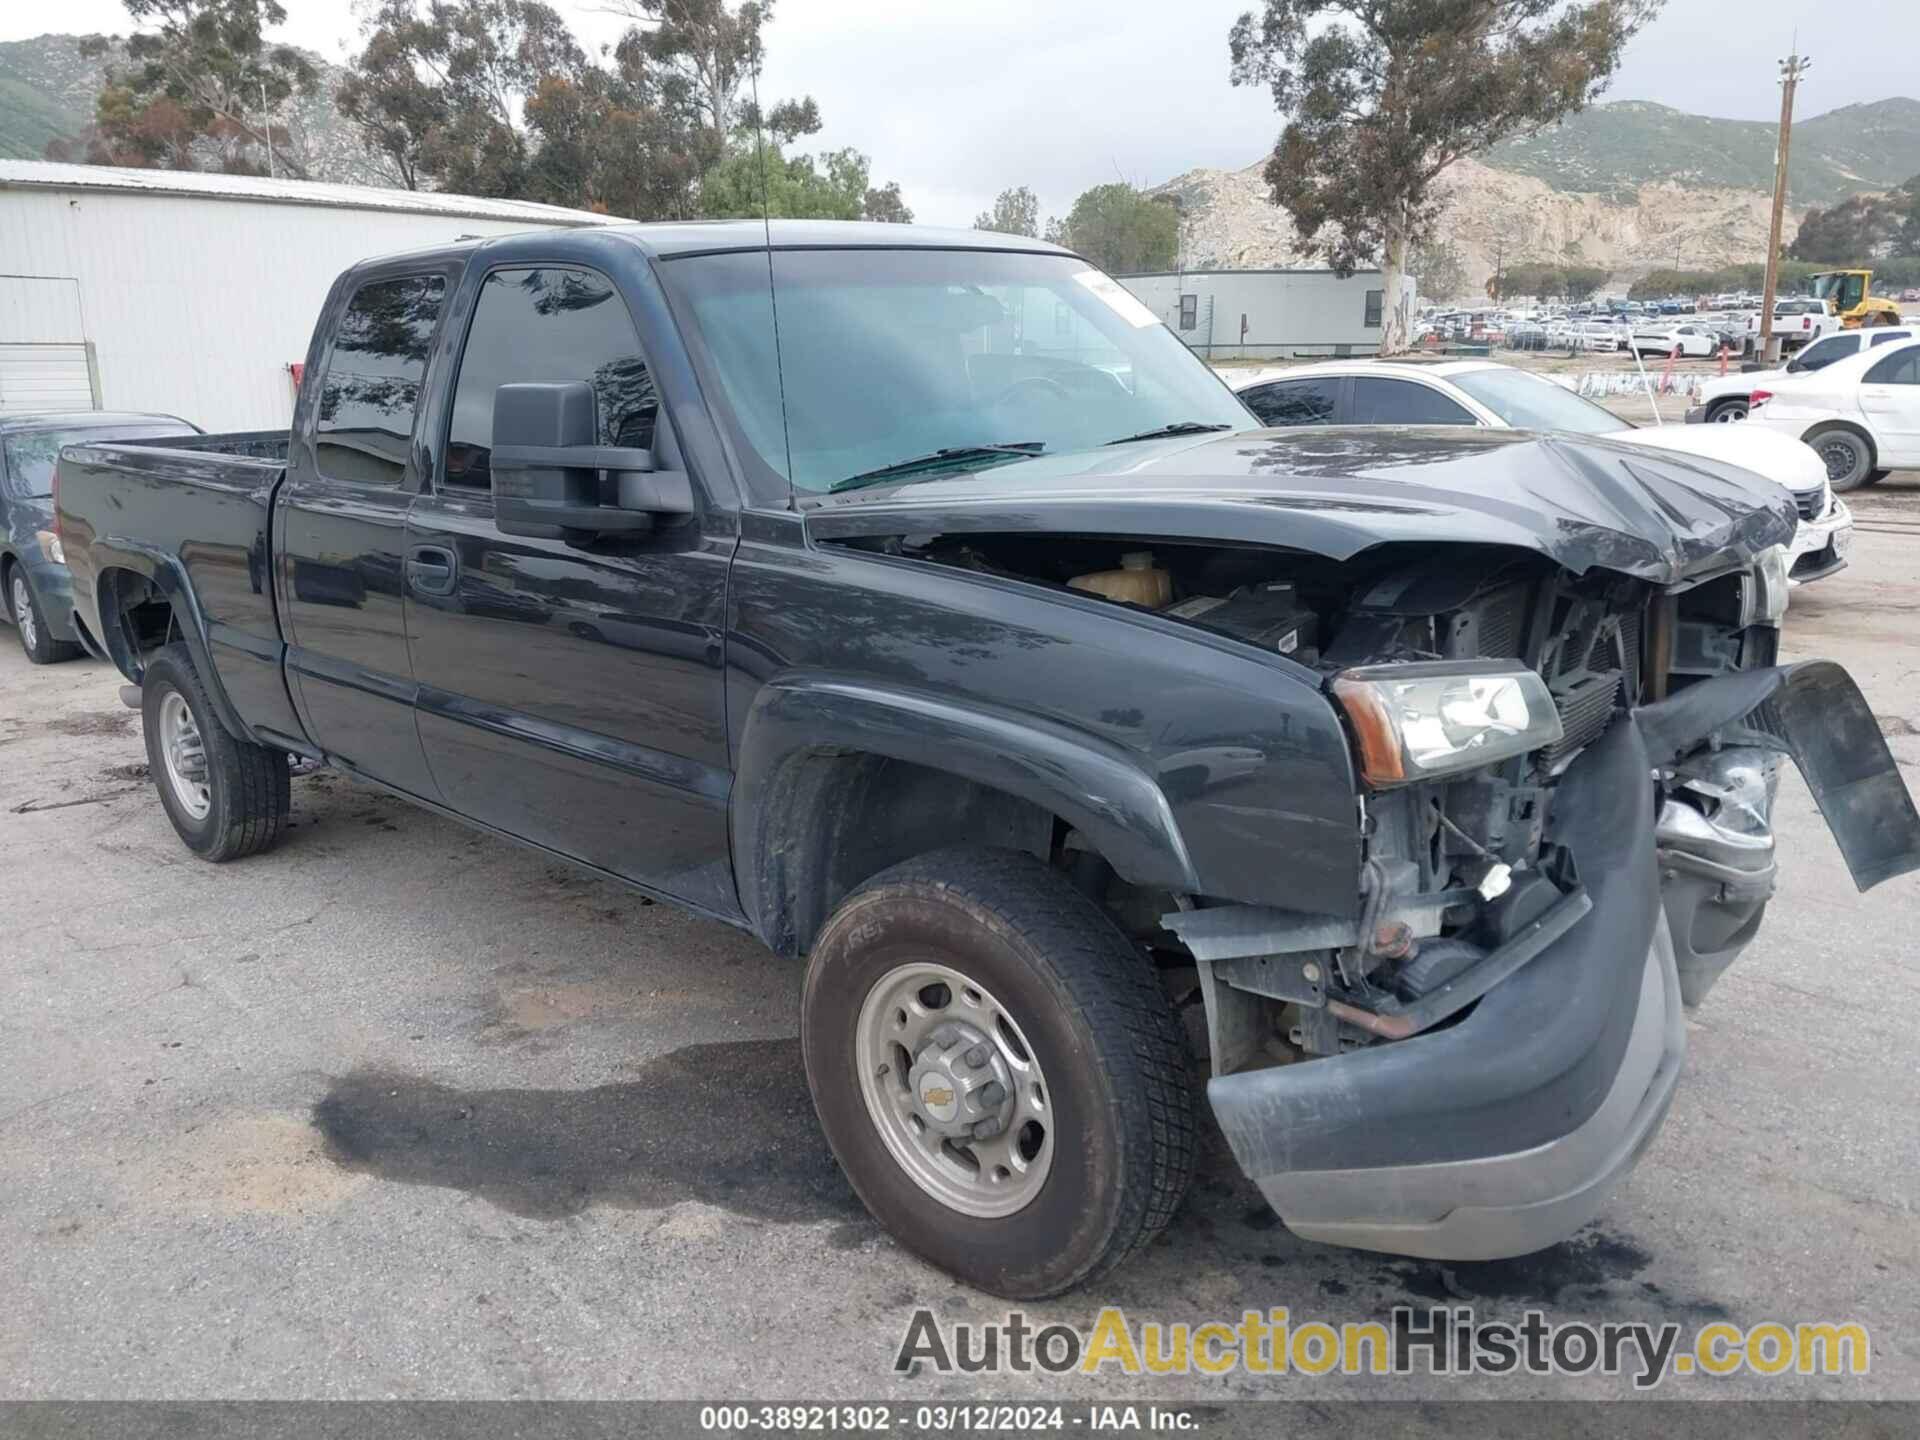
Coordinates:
x,y
340,520
571,694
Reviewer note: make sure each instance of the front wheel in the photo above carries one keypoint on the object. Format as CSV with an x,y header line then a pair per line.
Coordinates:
x,y
998,1071
31,623
227,798
1727,412
1847,455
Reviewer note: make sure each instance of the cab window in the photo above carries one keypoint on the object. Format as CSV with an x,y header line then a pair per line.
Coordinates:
x,y
1294,402
1380,401
547,324
363,427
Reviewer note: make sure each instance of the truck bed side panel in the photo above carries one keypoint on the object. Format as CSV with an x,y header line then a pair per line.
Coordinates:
x,y
196,523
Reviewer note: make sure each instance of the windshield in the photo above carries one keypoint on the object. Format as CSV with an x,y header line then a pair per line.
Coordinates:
x,y
910,360
1527,402
31,453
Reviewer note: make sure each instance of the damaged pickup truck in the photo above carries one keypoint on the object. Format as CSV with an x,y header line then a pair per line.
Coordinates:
x,y
917,602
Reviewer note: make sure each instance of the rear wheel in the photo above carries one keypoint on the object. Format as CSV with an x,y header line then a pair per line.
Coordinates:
x,y
227,798
998,1071
1847,455
30,623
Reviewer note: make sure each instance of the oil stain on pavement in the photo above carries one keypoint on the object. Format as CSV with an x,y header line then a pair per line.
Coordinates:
x,y
727,1124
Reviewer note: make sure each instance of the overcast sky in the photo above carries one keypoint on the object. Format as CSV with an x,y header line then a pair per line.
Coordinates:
x,y
957,101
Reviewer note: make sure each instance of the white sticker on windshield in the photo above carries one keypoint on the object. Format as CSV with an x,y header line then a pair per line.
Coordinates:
x,y
1119,299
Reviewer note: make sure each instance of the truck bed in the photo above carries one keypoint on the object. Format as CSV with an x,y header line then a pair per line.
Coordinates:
x,y
190,519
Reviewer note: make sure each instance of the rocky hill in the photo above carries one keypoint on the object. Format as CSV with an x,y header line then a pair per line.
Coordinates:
x,y
47,90
1227,222
1633,185
1617,149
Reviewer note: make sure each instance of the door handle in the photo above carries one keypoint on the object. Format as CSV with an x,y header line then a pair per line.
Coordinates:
x,y
431,569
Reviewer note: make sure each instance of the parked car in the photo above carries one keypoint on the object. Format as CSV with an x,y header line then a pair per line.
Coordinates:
x,y
33,569
1015,678
1482,393
1909,295
1860,414
1724,400
1689,340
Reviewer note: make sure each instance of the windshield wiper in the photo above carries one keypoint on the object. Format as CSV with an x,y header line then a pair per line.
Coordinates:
x,y
938,460
1179,427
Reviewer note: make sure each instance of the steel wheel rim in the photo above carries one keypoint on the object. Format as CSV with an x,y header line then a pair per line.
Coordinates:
x,y
1730,414
184,754
1840,459
23,611
925,1074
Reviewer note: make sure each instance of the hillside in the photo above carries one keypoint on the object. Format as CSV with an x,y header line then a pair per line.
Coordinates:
x,y
47,91
1617,148
1227,222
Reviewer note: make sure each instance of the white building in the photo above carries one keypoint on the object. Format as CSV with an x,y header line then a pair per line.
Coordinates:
x,y
194,294
1271,314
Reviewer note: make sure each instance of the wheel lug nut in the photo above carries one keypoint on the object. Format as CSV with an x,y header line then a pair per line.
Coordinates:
x,y
977,1056
992,1093
986,1129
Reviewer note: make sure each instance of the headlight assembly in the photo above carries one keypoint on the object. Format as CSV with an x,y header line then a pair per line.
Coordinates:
x,y
1412,722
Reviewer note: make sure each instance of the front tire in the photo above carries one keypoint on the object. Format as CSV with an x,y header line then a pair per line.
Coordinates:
x,y
1043,1128
1847,454
227,798
30,622
1727,412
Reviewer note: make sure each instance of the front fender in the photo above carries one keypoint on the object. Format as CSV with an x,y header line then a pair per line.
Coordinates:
x,y
1093,785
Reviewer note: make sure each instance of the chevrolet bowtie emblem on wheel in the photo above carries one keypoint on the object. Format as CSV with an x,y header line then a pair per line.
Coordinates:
x,y
939,1100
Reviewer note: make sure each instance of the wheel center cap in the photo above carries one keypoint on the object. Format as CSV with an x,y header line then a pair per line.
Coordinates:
x,y
938,1099
960,1082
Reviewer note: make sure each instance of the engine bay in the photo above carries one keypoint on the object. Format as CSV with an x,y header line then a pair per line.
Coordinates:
x,y
1458,868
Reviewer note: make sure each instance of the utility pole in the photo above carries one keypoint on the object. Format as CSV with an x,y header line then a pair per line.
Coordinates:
x,y
1791,69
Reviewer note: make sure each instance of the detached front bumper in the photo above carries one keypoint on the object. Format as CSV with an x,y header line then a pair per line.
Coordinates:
x,y
1820,547
1505,1132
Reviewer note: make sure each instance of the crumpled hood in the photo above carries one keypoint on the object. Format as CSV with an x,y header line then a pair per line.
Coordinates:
x,y
1588,503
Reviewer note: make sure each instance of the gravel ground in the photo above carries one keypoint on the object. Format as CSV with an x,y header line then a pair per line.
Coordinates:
x,y
403,1111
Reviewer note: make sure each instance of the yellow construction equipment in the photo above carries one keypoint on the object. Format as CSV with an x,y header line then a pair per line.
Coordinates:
x,y
1848,294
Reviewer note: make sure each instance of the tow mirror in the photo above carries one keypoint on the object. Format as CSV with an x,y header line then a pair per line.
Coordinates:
x,y
551,481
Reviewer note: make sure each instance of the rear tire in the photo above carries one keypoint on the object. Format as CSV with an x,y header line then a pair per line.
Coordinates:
x,y
1847,454
1027,978
30,621
227,798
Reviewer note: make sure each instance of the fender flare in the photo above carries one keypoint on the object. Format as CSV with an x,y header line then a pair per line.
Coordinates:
x,y
1095,786
167,575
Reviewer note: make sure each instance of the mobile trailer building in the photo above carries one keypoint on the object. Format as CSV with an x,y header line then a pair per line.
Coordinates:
x,y
194,294
1271,314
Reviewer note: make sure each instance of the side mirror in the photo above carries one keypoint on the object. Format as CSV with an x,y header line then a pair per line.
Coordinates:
x,y
547,470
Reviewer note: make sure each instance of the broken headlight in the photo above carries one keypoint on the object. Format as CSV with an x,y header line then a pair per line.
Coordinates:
x,y
1412,722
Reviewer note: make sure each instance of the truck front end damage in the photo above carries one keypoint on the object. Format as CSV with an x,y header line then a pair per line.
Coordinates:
x,y
1568,838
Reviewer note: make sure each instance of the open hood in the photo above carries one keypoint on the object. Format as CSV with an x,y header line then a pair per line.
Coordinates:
x,y
1588,503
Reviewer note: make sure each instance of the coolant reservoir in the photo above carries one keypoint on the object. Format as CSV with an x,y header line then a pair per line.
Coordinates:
x,y
1136,582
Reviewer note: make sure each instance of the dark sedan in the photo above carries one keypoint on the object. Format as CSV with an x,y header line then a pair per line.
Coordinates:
x,y
33,571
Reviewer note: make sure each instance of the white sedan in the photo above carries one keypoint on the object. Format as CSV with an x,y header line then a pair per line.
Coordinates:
x,y
1689,340
1481,392
1861,415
